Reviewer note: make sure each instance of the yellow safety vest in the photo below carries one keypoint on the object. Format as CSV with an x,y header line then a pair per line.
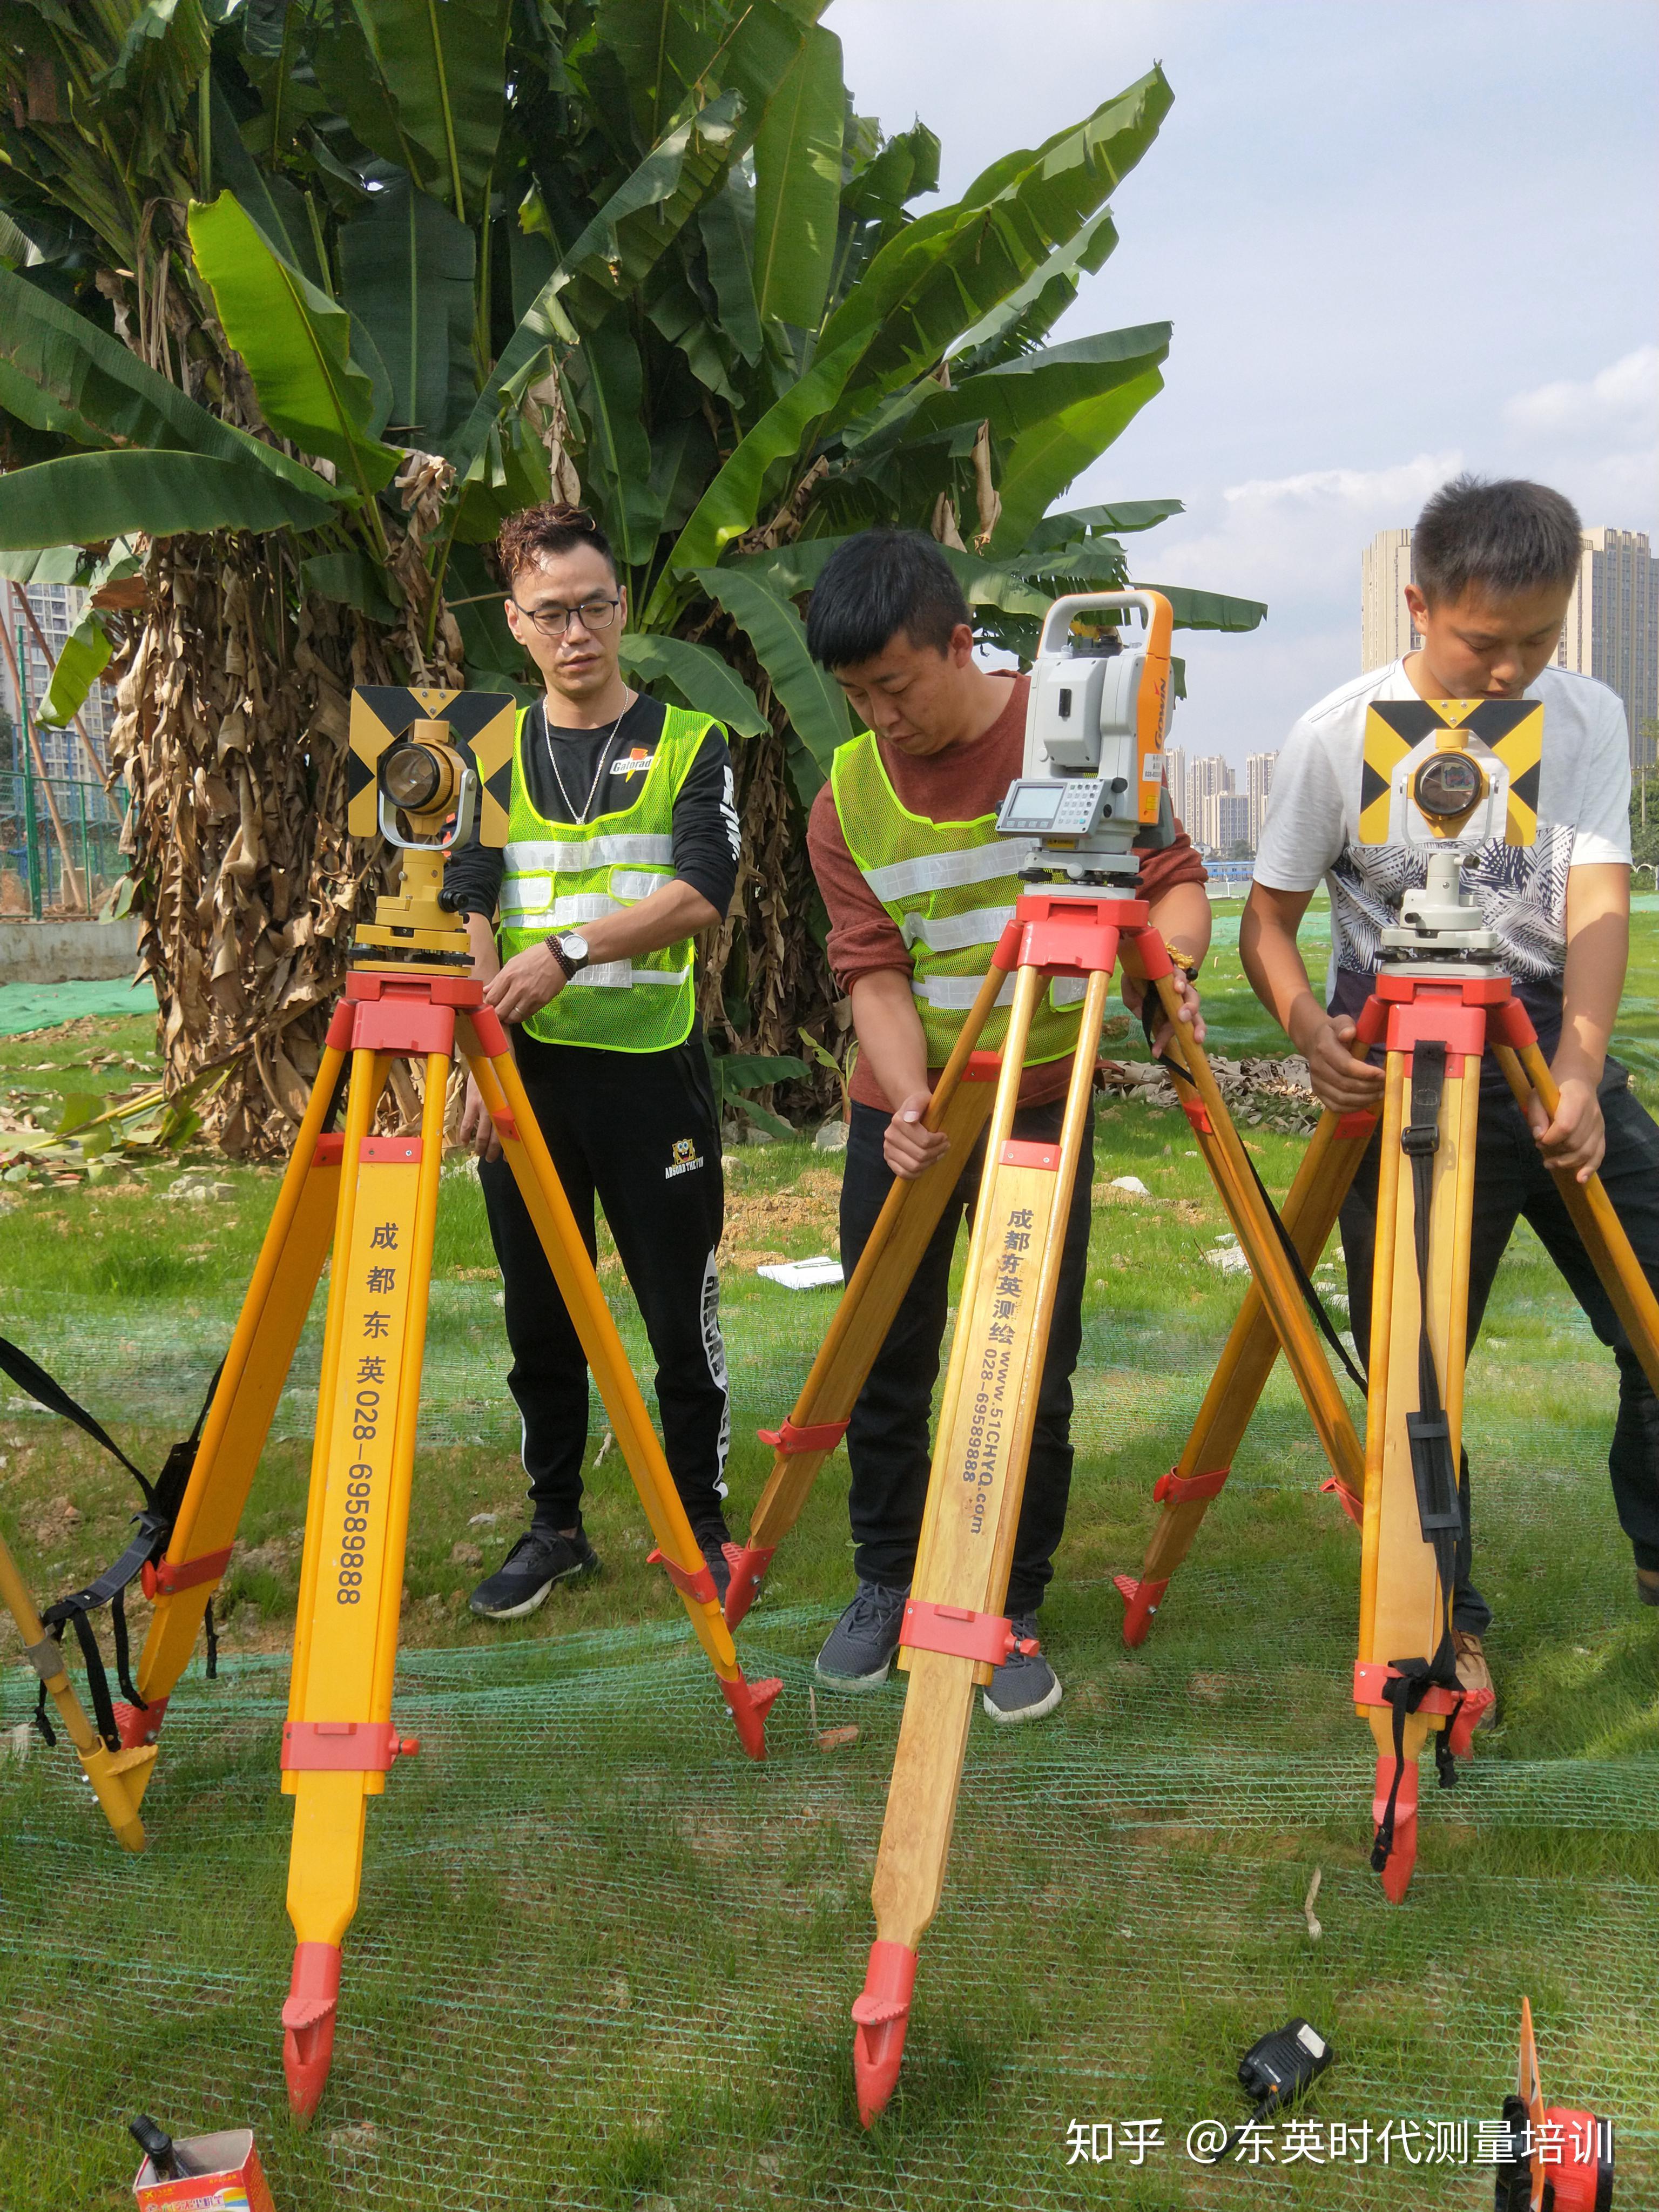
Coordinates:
x,y
950,888
562,874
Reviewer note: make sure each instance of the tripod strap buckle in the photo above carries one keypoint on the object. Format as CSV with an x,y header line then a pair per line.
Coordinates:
x,y
813,1436
1175,1488
343,1746
960,1632
697,1583
163,1577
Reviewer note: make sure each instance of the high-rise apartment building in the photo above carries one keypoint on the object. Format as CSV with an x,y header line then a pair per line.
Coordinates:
x,y
1226,821
1258,782
1385,632
1174,780
1611,628
57,608
1208,779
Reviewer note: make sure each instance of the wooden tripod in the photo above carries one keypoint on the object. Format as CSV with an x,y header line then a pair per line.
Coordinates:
x,y
955,1629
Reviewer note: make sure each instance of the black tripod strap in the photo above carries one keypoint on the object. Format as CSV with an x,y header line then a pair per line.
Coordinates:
x,y
47,1392
1304,1281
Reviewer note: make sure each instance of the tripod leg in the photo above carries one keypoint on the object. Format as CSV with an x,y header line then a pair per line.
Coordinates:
x,y
117,1777
908,1218
952,1633
1223,1153
233,1433
1185,1493
339,1742
1599,1227
677,1550
1405,1607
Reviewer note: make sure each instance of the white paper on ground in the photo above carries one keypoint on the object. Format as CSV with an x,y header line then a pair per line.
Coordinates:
x,y
803,1274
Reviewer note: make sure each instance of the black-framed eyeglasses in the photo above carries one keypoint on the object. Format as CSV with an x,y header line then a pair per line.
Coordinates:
x,y
554,621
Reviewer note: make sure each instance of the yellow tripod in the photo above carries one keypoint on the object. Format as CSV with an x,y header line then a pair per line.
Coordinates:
x,y
371,1202
955,1631
117,1774
1461,768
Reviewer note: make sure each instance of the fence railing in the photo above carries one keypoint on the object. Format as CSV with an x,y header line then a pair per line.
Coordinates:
x,y
37,877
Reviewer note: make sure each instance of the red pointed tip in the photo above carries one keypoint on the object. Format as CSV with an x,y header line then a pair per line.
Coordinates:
x,y
748,1563
1403,1857
880,2017
750,1702
1140,1601
308,2026
139,1724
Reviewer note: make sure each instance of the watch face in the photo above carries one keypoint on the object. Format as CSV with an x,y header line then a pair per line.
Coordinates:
x,y
574,944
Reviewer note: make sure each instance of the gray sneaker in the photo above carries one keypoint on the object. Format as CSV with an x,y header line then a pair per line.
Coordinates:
x,y
858,1652
1025,1687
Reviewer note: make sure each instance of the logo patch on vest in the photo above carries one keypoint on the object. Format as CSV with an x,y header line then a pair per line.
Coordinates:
x,y
686,1157
633,763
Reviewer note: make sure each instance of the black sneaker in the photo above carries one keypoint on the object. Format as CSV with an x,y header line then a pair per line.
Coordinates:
x,y
858,1652
716,1546
540,1558
1025,1687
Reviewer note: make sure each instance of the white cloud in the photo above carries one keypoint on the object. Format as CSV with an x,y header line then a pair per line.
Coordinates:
x,y
1619,402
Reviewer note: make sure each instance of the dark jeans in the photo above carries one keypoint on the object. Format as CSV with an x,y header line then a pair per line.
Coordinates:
x,y
1510,1181
887,1439
639,1132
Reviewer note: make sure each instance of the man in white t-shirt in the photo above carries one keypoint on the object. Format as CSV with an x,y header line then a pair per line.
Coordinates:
x,y
1494,566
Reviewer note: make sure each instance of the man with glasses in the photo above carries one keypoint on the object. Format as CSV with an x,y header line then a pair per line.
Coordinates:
x,y
623,843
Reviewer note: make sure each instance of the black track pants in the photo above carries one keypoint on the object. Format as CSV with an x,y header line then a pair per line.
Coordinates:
x,y
1510,1181
887,1439
639,1132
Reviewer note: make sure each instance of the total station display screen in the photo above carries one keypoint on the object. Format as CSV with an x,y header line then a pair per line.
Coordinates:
x,y
1035,805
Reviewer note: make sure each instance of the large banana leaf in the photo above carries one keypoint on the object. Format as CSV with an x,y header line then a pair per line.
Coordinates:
x,y
703,680
951,267
406,272
798,185
1044,459
1032,310
812,698
296,343
1024,392
92,496
266,195
443,64
59,371
727,224
605,378
81,659
1120,519
729,506
1209,610
636,225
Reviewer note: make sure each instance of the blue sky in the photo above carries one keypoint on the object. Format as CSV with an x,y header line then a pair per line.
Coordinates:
x,y
1392,241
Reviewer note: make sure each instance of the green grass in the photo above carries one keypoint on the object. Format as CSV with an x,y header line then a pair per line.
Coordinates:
x,y
602,1960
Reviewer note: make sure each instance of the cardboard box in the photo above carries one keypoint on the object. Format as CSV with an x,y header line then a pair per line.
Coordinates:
x,y
223,2173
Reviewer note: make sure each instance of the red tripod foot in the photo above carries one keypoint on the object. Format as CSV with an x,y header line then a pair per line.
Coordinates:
x,y
308,2025
1141,1600
750,1702
880,2017
136,1724
748,1563
1397,1868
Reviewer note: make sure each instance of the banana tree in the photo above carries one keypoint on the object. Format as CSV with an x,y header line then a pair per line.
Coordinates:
x,y
299,297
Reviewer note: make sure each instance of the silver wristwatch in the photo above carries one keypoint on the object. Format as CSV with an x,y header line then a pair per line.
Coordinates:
x,y
570,951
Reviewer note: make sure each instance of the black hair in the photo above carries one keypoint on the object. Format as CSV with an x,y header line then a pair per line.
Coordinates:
x,y
1505,538
551,529
877,584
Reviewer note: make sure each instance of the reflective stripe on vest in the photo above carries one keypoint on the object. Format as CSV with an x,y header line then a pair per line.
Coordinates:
x,y
561,874
950,888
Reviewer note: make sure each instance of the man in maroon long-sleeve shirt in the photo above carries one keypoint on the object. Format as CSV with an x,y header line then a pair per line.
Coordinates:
x,y
918,888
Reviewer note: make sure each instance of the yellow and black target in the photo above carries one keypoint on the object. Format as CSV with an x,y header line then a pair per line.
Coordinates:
x,y
1511,730
481,726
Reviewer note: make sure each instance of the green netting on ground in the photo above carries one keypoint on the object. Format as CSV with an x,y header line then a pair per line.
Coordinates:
x,y
601,1960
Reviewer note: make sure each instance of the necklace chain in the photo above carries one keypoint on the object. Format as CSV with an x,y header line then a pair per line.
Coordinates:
x,y
579,820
